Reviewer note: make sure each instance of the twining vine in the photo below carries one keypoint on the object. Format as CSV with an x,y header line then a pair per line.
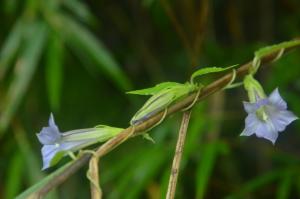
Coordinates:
x,y
266,117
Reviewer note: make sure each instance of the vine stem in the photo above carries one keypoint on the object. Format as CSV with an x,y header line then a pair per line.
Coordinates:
x,y
93,172
178,154
215,86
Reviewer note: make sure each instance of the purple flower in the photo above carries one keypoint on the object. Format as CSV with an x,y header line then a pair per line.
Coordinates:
x,y
57,144
267,116
49,135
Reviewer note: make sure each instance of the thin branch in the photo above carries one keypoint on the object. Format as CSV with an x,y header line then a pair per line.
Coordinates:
x,y
178,154
109,145
93,175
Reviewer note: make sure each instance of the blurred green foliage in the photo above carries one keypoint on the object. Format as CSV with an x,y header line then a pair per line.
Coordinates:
x,y
77,58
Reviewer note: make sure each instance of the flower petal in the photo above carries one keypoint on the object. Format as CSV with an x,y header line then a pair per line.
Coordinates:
x,y
267,116
282,118
267,130
52,123
49,135
48,153
277,100
250,125
52,154
252,121
252,107
247,132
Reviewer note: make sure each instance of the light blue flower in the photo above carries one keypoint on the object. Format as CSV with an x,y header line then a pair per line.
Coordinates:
x,y
267,116
57,144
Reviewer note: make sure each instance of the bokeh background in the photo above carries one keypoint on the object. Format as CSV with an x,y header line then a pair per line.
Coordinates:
x,y
77,59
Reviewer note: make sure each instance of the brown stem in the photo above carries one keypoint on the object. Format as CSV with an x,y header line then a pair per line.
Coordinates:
x,y
93,175
178,154
109,145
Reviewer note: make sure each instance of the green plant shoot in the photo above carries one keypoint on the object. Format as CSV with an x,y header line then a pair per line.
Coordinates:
x,y
161,99
166,93
262,52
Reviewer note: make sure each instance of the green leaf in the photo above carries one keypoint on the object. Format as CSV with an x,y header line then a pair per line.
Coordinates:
x,y
164,180
10,47
155,89
79,9
146,136
285,185
54,71
119,164
146,166
207,70
204,170
80,38
14,176
24,69
162,100
153,105
273,48
30,192
31,162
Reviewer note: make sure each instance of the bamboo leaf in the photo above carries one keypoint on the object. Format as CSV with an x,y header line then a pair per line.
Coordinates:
x,y
80,38
79,9
204,170
31,192
14,176
146,167
24,69
284,189
10,47
54,71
